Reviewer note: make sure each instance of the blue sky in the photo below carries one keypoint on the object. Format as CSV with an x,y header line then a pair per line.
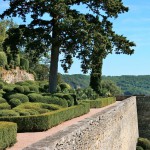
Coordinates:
x,y
135,25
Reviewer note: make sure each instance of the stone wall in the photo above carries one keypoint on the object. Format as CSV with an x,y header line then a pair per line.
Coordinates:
x,y
15,75
114,128
143,108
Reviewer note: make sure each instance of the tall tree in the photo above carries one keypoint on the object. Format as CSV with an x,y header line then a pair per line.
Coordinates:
x,y
66,30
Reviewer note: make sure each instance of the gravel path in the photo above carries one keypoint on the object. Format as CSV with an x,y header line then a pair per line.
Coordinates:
x,y
28,138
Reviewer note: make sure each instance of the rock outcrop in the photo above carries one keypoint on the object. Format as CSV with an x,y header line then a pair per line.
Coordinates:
x,y
15,75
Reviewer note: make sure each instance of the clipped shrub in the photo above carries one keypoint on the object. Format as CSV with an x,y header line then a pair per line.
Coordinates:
x,y
48,120
4,106
19,89
8,88
55,100
23,98
24,63
68,97
100,102
8,134
139,148
2,100
144,143
34,108
3,59
14,102
35,97
34,88
64,86
26,89
2,93
6,113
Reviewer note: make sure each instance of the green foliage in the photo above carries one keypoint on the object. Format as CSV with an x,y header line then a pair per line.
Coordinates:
x,y
68,97
139,148
19,89
87,93
8,134
64,86
17,60
35,97
1,85
14,102
144,143
3,59
48,120
55,100
8,88
101,102
34,88
24,64
8,113
77,80
23,98
109,88
95,82
27,109
4,106
26,89
2,100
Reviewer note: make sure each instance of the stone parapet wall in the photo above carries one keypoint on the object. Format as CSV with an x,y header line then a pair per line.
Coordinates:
x,y
114,128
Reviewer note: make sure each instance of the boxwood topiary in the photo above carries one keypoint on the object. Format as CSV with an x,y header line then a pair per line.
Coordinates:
x,y
19,89
6,113
8,134
34,88
35,97
23,98
14,102
2,100
5,106
26,89
55,100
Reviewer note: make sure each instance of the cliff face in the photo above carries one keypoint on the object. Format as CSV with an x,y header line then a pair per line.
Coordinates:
x,y
15,75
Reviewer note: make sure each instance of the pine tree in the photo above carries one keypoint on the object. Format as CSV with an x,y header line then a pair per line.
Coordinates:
x,y
67,30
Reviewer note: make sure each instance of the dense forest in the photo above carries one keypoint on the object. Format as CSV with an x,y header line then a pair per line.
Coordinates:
x,y
129,84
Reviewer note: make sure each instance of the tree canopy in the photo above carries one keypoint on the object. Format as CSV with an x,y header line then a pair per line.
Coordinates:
x,y
67,30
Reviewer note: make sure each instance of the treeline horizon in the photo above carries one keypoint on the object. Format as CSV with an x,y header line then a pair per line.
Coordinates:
x,y
129,84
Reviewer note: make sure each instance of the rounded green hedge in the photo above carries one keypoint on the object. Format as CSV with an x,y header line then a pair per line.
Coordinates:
x,y
4,106
19,89
45,121
55,100
8,113
2,100
23,98
34,88
8,134
14,102
3,59
35,97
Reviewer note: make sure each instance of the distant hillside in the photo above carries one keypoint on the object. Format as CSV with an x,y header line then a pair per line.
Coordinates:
x,y
77,80
130,85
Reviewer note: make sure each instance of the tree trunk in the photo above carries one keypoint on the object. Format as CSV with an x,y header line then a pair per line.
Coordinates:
x,y
96,73
54,59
